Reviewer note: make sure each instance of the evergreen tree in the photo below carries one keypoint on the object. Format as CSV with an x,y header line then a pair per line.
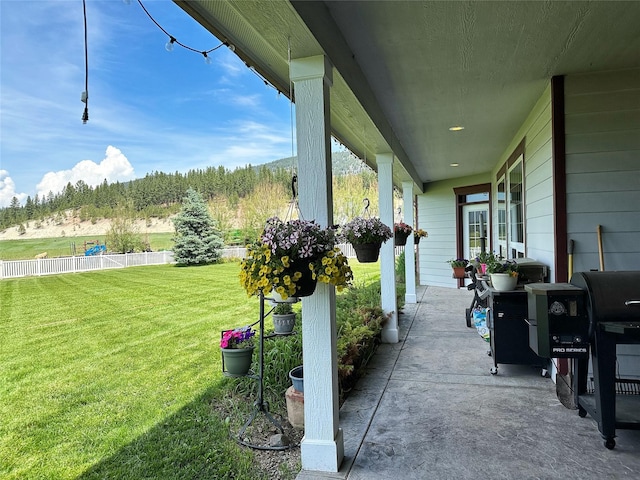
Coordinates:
x,y
197,240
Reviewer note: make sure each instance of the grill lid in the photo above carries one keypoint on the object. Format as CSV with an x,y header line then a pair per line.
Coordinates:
x,y
611,296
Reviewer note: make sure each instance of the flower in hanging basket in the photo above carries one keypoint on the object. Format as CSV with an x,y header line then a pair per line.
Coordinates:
x,y
458,262
238,338
365,230
402,228
419,233
290,251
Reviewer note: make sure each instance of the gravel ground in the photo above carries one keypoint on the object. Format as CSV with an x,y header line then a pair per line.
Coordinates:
x,y
276,464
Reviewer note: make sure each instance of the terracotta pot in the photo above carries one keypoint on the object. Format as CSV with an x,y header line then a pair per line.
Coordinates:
x,y
458,272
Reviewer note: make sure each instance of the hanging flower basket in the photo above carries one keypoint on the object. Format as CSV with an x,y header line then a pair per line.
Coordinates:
x,y
291,257
401,232
366,234
400,239
418,234
367,252
306,283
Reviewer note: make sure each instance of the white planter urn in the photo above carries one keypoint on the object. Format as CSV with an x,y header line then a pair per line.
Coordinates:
x,y
504,282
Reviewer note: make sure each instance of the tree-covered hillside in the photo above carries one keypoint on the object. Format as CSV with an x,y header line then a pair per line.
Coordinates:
x,y
247,192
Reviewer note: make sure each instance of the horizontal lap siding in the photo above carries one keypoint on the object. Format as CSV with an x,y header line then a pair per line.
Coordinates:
x,y
603,178
603,168
437,215
538,170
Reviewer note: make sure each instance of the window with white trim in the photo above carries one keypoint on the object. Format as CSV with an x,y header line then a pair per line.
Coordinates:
x,y
510,197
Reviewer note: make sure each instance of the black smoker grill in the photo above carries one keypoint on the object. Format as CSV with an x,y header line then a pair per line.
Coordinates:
x,y
613,309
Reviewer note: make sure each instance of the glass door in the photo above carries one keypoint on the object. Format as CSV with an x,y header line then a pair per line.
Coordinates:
x,y
475,231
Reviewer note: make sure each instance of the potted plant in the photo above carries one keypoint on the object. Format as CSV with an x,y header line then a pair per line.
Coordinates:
x,y
366,234
458,265
482,260
290,257
419,234
401,232
284,318
503,273
237,347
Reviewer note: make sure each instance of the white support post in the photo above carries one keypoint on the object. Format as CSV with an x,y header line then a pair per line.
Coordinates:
x,y
410,249
387,252
322,448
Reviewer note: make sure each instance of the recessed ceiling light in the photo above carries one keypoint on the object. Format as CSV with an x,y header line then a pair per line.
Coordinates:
x,y
454,164
456,128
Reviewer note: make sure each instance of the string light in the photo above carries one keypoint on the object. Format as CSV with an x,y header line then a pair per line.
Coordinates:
x,y
172,41
84,98
169,46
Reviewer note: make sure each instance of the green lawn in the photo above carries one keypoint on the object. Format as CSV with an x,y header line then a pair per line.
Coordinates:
x,y
25,249
113,374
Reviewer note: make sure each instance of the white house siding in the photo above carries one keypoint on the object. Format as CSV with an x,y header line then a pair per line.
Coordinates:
x,y
437,215
437,206
538,195
602,116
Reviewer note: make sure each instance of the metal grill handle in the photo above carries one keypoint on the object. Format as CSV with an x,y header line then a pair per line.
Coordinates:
x,y
628,303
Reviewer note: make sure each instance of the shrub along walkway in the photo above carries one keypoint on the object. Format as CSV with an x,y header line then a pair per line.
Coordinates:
x,y
428,408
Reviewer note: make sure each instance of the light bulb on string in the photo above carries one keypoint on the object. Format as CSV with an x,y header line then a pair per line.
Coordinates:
x,y
169,45
207,59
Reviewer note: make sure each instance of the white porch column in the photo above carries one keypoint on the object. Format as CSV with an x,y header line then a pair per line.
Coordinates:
x,y
409,250
322,447
387,252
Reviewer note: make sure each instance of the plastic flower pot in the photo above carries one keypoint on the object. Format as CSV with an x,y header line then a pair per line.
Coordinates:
x,y
283,323
236,362
504,282
295,374
367,252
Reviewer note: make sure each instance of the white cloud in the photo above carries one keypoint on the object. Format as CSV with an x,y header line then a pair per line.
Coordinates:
x,y
114,167
8,190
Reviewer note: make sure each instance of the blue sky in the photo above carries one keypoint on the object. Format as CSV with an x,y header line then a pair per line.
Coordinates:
x,y
149,109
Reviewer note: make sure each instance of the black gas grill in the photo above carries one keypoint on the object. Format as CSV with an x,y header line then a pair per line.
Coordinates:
x,y
612,300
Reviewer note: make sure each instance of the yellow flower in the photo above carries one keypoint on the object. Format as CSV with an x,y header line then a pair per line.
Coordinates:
x,y
285,261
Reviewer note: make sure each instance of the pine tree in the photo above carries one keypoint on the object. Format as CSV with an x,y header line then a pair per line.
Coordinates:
x,y
197,240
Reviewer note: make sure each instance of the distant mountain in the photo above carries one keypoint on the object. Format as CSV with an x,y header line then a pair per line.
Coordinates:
x,y
343,163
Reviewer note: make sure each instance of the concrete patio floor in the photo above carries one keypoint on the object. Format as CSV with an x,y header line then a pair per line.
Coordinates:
x,y
428,408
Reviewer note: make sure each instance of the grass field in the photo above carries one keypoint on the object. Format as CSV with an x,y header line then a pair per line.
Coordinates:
x,y
26,249
113,374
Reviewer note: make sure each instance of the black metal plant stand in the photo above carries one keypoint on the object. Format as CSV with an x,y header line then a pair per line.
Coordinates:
x,y
260,406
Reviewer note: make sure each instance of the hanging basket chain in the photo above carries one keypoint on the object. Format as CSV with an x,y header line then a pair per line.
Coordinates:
x,y
294,206
365,211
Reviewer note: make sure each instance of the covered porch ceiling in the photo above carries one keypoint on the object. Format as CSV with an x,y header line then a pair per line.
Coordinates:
x,y
407,71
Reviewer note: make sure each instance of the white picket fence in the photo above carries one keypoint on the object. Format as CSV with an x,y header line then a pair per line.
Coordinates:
x,y
55,266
